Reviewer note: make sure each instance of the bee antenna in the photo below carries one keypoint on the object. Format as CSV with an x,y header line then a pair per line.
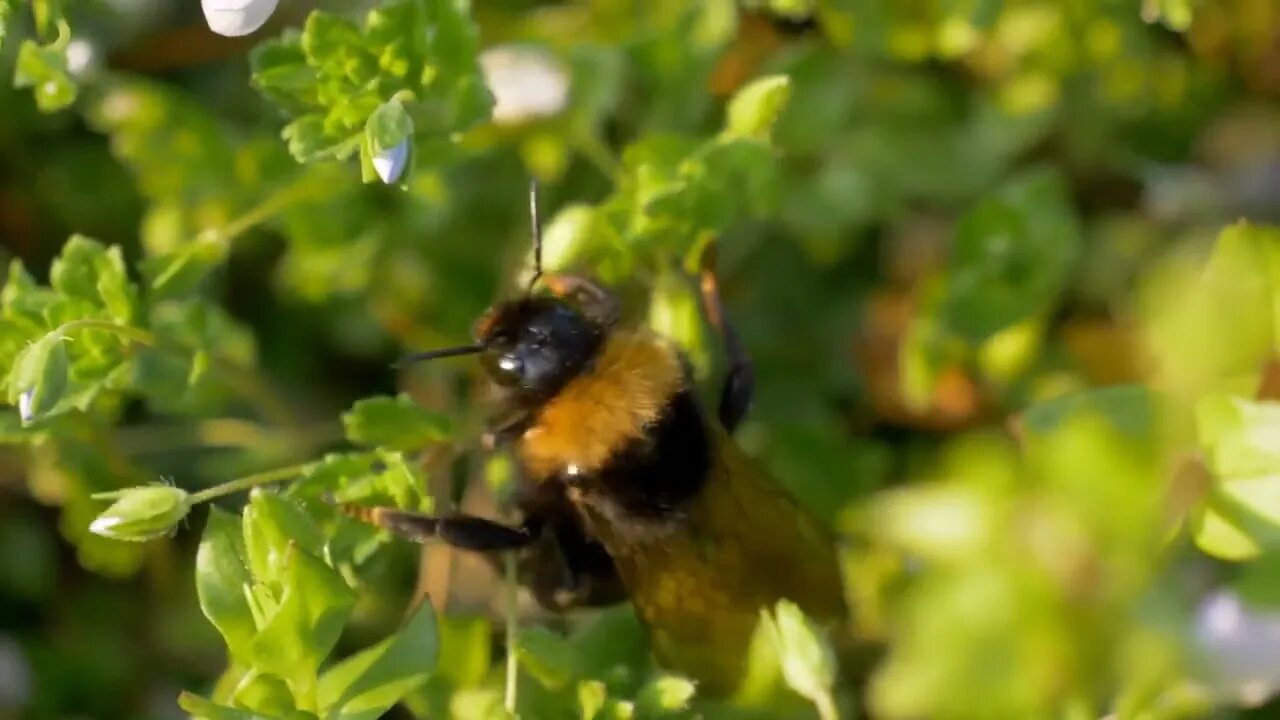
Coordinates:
x,y
441,353
536,229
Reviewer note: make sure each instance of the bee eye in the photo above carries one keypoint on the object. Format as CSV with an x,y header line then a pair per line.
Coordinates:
x,y
510,364
505,368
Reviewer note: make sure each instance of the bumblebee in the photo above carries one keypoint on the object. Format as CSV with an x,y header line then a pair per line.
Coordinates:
x,y
630,489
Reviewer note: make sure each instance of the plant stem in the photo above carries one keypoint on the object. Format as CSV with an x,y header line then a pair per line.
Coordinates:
x,y
248,482
598,154
510,699
279,200
826,707
138,335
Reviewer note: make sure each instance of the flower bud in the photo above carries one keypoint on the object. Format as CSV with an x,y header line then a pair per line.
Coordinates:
x,y
233,18
390,163
141,513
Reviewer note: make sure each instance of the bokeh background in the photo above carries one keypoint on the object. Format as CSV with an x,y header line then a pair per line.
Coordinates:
x,y
973,208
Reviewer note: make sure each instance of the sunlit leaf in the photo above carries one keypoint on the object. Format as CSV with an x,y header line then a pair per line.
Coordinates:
x,y
370,682
393,422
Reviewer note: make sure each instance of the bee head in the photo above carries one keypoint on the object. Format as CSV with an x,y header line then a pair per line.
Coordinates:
x,y
534,345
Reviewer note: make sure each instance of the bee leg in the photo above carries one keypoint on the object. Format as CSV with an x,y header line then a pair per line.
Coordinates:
x,y
740,380
571,571
566,568
466,532
596,301
504,429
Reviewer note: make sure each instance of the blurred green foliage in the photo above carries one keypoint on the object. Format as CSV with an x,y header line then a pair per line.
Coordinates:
x,y
1009,271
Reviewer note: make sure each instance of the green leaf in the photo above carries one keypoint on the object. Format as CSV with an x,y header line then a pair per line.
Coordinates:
x,y
411,68
333,474
592,696
1011,255
39,377
141,513
1128,408
397,423
280,70
664,694
44,69
808,662
466,649
180,272
755,109
388,126
265,694
273,526
547,656
1173,14
307,140
313,608
369,683
6,9
202,707
221,580
716,23
1240,281
612,639
1241,439
1239,521
88,270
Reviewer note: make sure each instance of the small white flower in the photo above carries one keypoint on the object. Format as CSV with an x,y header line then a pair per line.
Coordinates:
x,y
389,164
24,404
1242,646
233,18
526,83
81,56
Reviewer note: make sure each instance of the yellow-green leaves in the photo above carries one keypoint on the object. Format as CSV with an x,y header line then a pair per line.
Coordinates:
x,y
1240,281
396,423
411,68
62,345
280,606
43,68
222,577
808,662
1173,14
754,110
675,192
141,513
664,694
1241,514
6,11
367,684
90,272
266,586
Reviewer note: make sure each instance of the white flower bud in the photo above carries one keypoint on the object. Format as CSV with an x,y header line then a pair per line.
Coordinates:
x,y
24,405
390,163
233,18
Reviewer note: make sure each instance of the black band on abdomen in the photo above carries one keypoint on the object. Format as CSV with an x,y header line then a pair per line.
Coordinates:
x,y
652,475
